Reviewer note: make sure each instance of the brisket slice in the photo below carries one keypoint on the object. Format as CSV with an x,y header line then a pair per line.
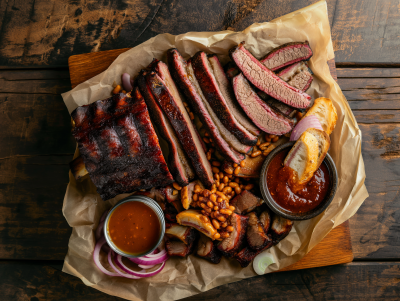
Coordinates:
x,y
205,76
119,146
265,80
278,106
227,91
172,105
297,75
230,245
257,239
287,54
178,161
245,202
258,111
207,248
225,133
178,68
183,233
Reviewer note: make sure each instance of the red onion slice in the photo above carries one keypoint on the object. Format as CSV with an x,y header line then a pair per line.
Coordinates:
x,y
110,261
126,82
96,258
146,267
163,256
304,124
134,273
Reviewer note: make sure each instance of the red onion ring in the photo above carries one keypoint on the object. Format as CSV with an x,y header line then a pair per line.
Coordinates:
x,y
163,256
146,267
96,258
126,82
304,124
110,261
134,273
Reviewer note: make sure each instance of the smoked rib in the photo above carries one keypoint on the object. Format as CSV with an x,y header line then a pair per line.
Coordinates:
x,y
119,146
172,105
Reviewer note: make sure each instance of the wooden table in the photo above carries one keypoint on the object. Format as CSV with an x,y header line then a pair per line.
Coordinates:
x,y
37,37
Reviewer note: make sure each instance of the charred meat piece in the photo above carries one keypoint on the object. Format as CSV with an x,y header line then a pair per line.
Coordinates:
x,y
287,54
278,106
206,78
246,255
178,248
195,219
178,68
280,228
267,81
297,75
178,162
167,95
245,202
178,232
232,244
258,111
170,213
168,193
226,89
119,146
207,249
265,219
256,237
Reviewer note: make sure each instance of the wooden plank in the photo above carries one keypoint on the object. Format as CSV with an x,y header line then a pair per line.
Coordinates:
x,y
36,281
36,146
335,248
366,32
48,32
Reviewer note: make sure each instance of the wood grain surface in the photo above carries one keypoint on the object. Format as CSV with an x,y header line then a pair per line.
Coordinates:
x,y
25,280
42,32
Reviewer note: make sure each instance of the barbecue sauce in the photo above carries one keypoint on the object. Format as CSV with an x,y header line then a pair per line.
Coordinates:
x,y
309,196
134,228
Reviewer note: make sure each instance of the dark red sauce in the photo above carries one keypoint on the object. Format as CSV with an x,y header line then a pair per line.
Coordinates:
x,y
304,199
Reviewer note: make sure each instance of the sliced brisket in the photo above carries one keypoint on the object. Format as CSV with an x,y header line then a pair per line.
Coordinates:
x,y
178,232
265,80
287,54
178,161
205,76
178,67
258,111
167,95
227,91
178,248
256,237
280,228
297,75
246,255
265,219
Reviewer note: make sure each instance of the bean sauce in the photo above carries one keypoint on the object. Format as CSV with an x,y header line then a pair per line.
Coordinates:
x,y
305,198
134,228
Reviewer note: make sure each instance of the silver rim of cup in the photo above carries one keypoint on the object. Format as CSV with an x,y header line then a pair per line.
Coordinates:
x,y
149,202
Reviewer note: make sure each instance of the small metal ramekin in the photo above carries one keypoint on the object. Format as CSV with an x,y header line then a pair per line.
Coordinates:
x,y
149,202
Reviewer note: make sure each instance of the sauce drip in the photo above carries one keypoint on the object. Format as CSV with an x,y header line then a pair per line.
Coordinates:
x,y
134,228
304,198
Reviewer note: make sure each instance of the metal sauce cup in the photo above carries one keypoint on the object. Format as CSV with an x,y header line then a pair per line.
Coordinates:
x,y
150,203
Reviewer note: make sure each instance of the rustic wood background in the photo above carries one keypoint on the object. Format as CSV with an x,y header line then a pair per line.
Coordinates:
x,y
38,36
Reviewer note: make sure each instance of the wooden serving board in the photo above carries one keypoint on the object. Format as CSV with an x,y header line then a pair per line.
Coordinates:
x,y
335,248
